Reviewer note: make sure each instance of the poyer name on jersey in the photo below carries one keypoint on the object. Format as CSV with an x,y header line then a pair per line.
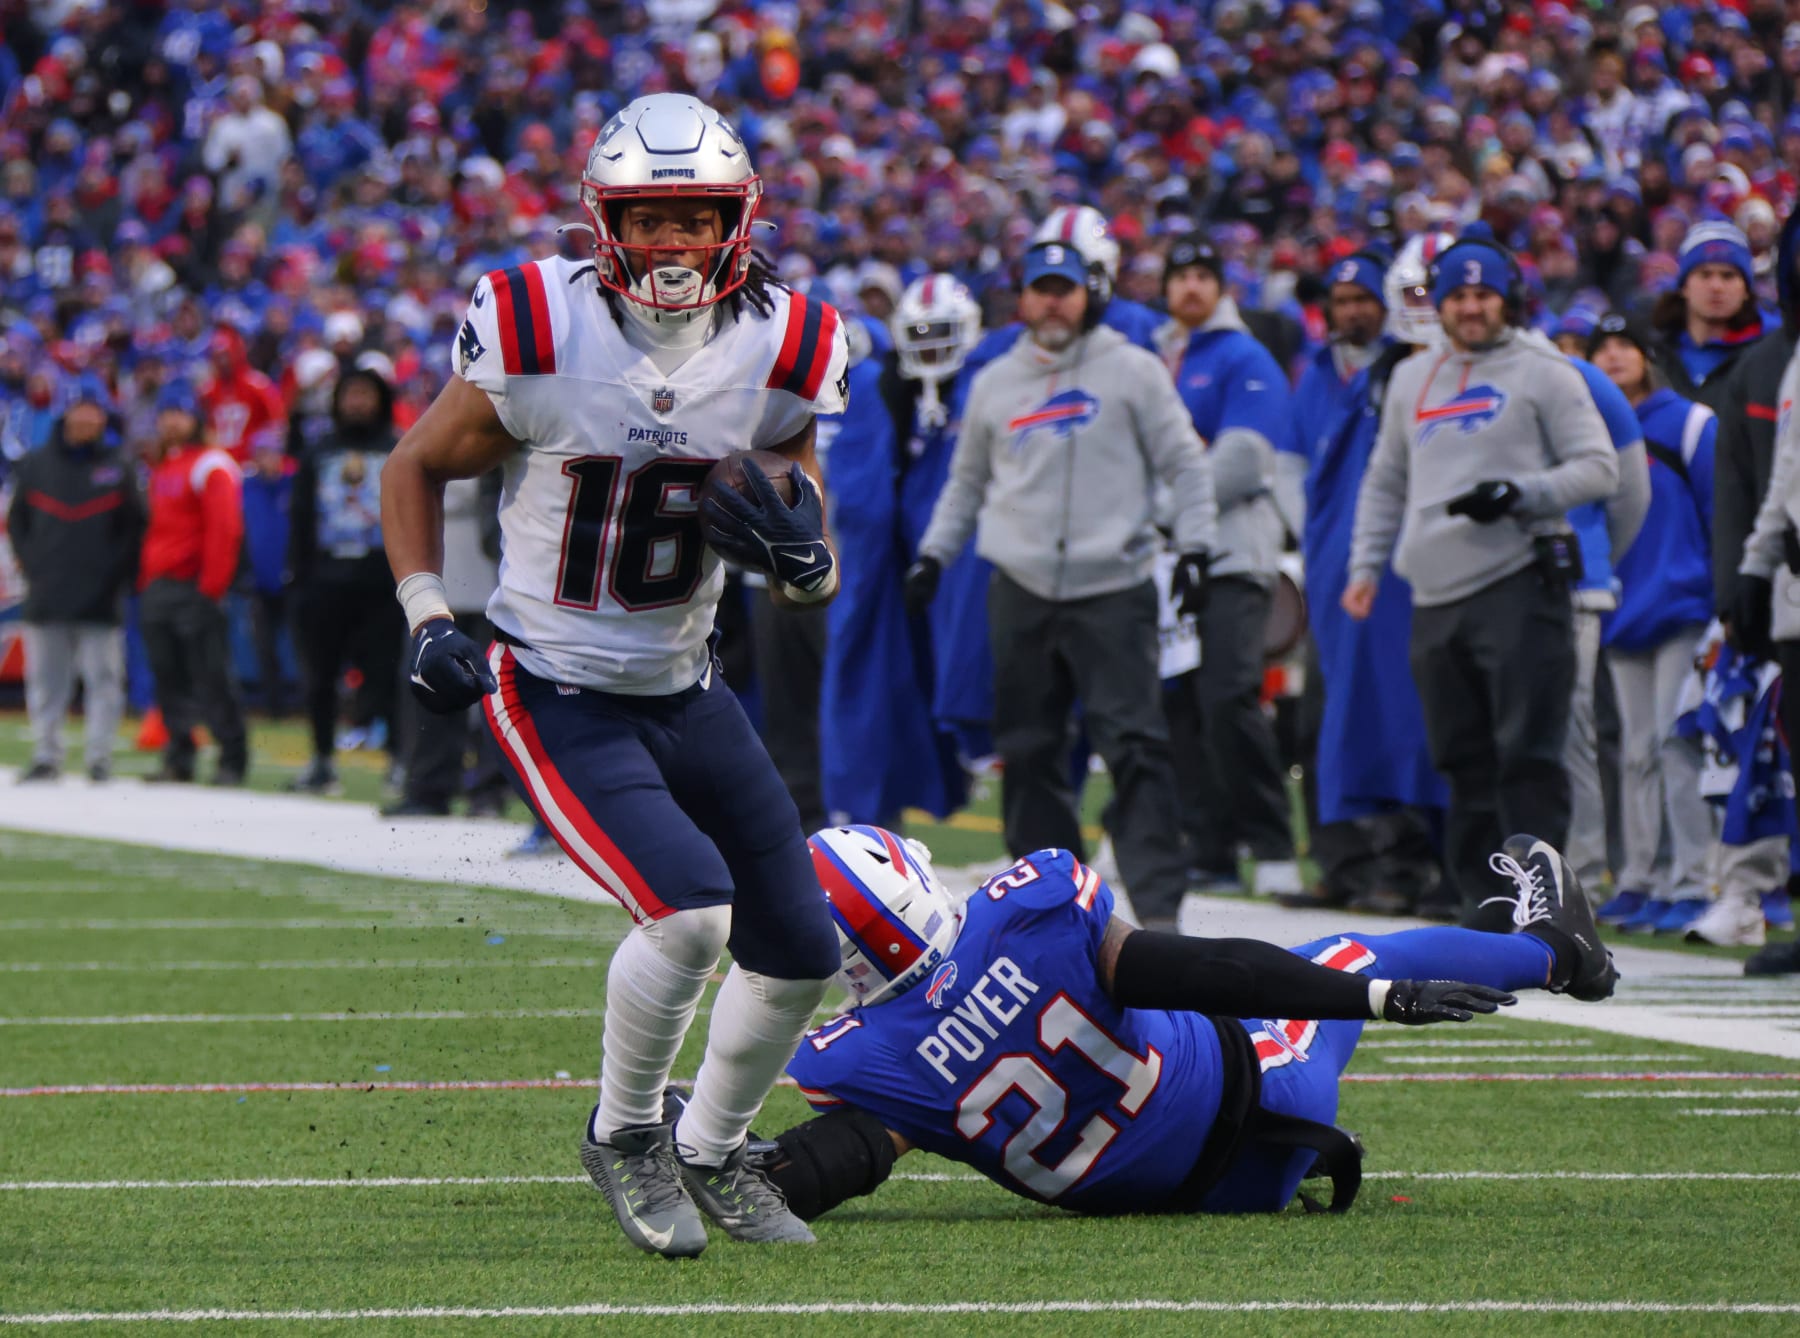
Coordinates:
x,y
957,1035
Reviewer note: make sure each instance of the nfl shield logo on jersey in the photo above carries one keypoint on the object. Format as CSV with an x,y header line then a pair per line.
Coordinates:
x,y
662,401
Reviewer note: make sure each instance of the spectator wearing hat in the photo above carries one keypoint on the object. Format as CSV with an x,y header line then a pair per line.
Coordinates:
x,y
189,559
344,606
244,411
1075,411
1651,638
75,523
1232,787
1484,542
1711,319
1376,795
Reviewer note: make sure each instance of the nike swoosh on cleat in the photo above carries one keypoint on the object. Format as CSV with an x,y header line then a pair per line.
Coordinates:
x,y
1555,864
660,1239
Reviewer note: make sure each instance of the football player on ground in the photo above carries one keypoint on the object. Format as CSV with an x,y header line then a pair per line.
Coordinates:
x,y
605,390
1034,1036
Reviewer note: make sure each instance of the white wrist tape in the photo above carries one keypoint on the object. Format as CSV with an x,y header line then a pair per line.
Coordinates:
x,y
423,597
1378,996
827,588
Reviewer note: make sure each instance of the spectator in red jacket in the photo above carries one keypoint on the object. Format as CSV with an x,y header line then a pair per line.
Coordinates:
x,y
190,558
243,407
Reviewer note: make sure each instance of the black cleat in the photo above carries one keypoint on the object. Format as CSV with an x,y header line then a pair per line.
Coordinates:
x,y
1549,893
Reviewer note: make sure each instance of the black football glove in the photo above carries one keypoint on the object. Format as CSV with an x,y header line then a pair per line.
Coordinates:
x,y
1418,1002
447,669
765,533
1189,584
1749,621
920,586
1486,502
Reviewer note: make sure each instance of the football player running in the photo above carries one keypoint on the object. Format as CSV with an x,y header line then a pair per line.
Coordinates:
x,y
605,390
1034,1036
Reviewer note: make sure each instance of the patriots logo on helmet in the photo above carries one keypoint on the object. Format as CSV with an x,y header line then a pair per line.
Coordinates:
x,y
1468,411
1060,415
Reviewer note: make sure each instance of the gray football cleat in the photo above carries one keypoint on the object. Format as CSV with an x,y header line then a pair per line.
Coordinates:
x,y
636,1171
741,1199
1548,893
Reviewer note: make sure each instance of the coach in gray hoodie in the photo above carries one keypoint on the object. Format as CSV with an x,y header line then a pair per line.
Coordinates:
x,y
1487,441
1064,438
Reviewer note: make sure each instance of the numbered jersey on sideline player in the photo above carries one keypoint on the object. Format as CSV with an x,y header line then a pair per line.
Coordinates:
x,y
603,575
1012,1059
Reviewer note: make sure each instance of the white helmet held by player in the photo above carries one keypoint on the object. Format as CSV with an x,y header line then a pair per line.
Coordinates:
x,y
936,323
1086,229
1412,319
895,920
670,146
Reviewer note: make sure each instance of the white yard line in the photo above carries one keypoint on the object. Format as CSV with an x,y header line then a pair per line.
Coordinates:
x,y
209,1019
1740,1111
481,1181
365,922
316,964
603,1309
1684,1094
1427,1044
1584,1058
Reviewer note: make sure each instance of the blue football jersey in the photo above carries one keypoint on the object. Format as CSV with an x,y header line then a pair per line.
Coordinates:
x,y
1011,1058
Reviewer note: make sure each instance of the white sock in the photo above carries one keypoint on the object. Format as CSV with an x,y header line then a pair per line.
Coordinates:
x,y
756,1024
653,988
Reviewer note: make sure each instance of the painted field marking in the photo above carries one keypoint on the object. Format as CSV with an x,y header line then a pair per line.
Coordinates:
x,y
208,1019
700,1309
1428,1044
482,1181
1681,1094
423,922
1529,1059
1744,1110
321,964
563,1084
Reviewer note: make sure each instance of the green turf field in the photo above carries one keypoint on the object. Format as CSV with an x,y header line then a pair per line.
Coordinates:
x,y
313,1000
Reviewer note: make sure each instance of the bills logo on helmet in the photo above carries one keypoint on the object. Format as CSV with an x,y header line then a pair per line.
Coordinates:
x,y
1468,412
943,980
1060,416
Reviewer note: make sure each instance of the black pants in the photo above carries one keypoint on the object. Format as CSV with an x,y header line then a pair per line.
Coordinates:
x,y
436,747
788,649
1495,672
185,639
268,612
1101,651
1227,767
340,624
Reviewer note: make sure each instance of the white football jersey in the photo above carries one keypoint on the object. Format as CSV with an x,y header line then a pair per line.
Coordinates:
x,y
604,577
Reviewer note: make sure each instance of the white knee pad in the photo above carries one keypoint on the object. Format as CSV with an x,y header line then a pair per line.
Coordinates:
x,y
692,940
786,998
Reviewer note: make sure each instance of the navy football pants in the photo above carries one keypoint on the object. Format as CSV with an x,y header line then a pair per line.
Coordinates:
x,y
670,803
1301,1061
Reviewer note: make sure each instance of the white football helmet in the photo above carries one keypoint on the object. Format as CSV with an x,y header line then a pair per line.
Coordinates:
x,y
895,920
670,145
1412,319
1086,229
936,323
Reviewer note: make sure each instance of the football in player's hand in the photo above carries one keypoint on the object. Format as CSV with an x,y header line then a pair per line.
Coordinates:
x,y
729,475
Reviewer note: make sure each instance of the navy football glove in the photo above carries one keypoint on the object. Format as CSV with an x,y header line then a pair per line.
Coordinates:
x,y
764,532
1417,1002
1486,502
920,585
447,669
1189,584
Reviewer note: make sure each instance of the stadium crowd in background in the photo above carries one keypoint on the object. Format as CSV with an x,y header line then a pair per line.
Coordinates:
x,y
233,207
